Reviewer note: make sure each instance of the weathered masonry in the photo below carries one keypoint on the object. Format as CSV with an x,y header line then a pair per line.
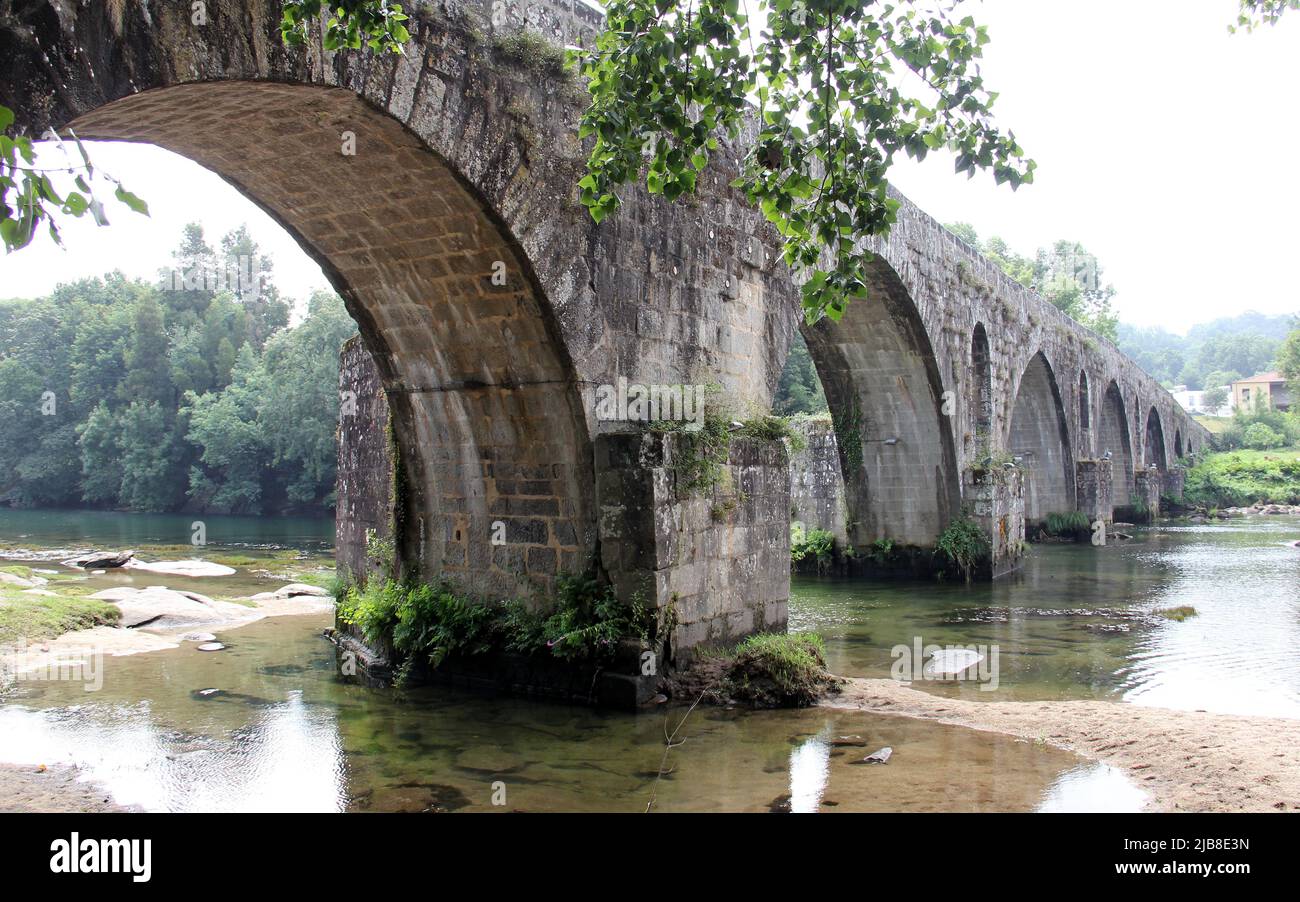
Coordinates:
x,y
495,310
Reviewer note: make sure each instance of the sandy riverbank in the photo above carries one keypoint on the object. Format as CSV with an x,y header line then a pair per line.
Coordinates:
x,y
59,789
1184,760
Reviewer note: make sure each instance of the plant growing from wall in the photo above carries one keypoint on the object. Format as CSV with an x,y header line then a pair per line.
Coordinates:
x,y
427,624
963,544
1070,525
848,434
812,546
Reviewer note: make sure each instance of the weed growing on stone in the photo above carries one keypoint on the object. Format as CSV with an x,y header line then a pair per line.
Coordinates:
x,y
964,544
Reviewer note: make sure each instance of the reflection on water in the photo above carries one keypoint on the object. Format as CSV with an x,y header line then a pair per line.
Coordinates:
x,y
1092,788
265,725
1078,622
280,733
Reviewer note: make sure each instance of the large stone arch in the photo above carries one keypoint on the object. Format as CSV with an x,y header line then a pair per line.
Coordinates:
x,y
1153,447
1039,435
487,416
1116,441
885,393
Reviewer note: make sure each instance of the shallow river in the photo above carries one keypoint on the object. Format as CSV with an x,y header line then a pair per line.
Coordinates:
x,y
265,726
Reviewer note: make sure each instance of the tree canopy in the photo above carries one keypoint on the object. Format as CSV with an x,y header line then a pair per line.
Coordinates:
x,y
181,394
1066,274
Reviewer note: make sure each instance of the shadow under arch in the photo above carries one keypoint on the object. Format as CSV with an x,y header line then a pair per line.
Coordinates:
x,y
486,413
1178,444
1085,415
1115,440
1040,436
981,393
1154,446
886,397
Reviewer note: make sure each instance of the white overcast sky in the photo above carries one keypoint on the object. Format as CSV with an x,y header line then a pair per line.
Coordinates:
x,y
1164,144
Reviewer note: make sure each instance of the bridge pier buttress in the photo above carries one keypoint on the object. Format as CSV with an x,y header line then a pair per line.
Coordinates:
x,y
1094,490
711,555
995,497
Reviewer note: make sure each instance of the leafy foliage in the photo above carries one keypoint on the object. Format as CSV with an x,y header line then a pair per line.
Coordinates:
x,y
430,623
668,77
1069,525
375,23
964,544
29,196
1257,13
1240,478
816,546
119,394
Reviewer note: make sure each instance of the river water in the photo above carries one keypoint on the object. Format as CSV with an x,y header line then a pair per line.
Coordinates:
x,y
265,726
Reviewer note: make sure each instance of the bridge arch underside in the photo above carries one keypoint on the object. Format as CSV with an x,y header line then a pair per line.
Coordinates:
x,y
1154,447
1040,437
1114,439
883,387
486,416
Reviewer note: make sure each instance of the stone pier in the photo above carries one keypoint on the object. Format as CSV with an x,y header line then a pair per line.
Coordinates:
x,y
1093,482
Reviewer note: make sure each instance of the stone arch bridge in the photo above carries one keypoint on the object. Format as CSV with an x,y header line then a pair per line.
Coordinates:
x,y
437,191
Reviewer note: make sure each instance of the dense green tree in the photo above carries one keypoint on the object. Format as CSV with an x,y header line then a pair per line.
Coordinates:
x,y
300,403
120,394
235,452
800,390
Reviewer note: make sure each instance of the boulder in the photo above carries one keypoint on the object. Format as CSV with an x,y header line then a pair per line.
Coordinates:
x,y
158,607
101,561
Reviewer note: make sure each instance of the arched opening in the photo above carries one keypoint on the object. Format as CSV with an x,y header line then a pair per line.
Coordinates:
x,y
1116,444
1085,415
1154,446
1040,438
487,422
981,400
1178,444
885,394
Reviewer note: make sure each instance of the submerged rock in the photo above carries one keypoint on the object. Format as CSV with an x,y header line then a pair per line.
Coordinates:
x,y
880,757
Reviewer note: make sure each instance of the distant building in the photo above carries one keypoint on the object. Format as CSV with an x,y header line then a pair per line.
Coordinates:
x,y
1194,402
1264,390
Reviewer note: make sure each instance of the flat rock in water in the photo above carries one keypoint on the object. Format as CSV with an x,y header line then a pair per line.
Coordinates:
x,y
952,661
211,646
158,607
294,589
22,582
880,757
192,568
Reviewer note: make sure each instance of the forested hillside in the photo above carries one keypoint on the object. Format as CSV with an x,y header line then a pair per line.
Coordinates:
x,y
193,393
1211,354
